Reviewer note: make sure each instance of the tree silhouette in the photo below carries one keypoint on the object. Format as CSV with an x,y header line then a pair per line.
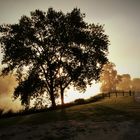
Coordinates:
x,y
51,51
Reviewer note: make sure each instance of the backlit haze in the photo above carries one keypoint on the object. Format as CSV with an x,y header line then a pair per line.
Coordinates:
x,y
120,17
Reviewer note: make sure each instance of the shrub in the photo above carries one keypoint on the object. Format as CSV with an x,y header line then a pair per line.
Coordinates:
x,y
80,101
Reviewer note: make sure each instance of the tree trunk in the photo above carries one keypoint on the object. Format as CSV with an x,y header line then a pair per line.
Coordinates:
x,y
52,91
62,97
52,99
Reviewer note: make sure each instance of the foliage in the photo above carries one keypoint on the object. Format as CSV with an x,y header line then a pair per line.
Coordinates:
x,y
111,81
1,111
109,78
125,83
136,84
80,101
51,51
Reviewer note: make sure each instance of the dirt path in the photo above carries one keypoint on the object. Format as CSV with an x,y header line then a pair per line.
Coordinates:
x,y
73,130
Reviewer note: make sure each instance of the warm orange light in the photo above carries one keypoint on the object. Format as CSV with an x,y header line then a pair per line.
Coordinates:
x,y
72,94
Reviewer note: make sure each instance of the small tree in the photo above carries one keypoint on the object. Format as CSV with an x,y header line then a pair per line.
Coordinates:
x,y
51,51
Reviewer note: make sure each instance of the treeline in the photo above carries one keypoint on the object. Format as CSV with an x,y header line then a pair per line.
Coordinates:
x,y
112,81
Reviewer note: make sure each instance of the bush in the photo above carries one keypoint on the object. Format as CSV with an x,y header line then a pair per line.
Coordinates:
x,y
1,111
95,98
7,114
80,101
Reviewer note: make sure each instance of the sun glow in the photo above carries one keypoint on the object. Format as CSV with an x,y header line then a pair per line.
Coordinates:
x,y
72,94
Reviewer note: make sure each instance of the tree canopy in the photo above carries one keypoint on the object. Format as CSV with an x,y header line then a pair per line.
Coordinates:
x,y
125,83
109,78
50,51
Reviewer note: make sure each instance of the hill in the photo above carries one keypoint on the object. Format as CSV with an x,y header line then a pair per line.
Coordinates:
x,y
106,117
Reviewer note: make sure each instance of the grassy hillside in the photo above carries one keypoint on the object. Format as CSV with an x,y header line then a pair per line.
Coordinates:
x,y
109,109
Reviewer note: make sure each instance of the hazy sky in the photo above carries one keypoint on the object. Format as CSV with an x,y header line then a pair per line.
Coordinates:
x,y
121,19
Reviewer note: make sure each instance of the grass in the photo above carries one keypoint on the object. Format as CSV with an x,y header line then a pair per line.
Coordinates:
x,y
113,109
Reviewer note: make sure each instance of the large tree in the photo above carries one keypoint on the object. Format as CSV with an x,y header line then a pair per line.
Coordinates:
x,y
135,83
109,78
51,51
126,83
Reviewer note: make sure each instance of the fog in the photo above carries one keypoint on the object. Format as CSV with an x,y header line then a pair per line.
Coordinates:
x,y
7,85
112,81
